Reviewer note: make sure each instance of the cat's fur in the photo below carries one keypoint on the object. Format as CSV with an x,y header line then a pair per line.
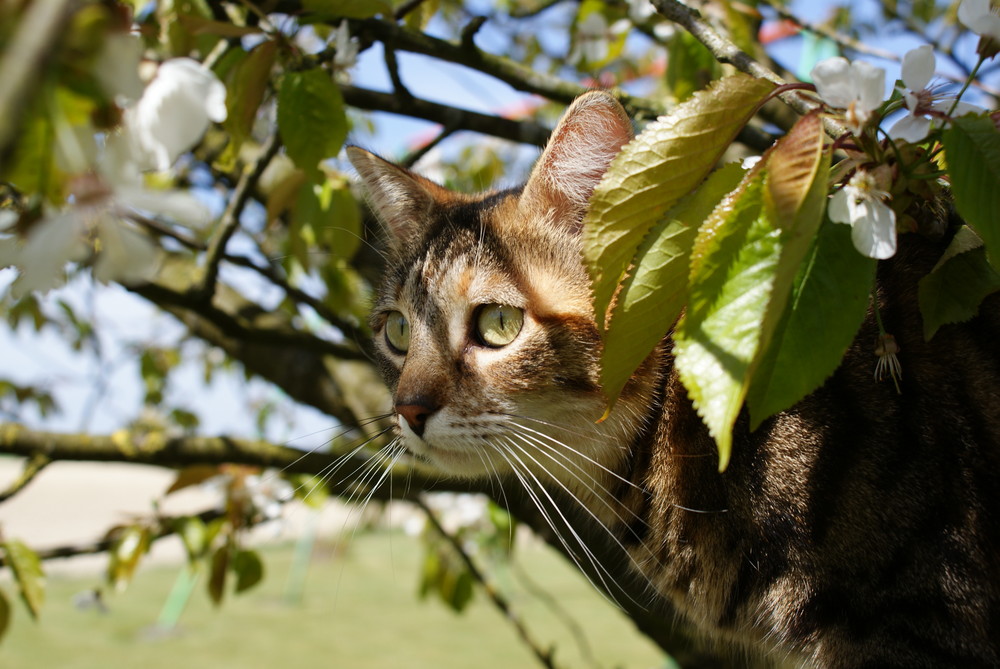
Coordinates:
x,y
858,529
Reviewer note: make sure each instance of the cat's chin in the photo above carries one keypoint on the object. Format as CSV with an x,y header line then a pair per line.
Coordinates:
x,y
463,464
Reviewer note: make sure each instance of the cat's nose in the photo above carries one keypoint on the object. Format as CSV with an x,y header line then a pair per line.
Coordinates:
x,y
416,411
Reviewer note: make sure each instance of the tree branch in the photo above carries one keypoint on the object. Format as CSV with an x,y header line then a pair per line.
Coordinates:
x,y
527,132
495,596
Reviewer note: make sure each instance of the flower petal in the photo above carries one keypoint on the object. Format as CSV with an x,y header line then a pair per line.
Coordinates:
x,y
874,231
175,111
832,77
838,208
918,67
910,128
127,255
51,244
971,11
870,85
181,206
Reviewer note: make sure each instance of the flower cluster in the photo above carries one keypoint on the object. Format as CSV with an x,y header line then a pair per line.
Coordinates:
x,y
858,89
106,186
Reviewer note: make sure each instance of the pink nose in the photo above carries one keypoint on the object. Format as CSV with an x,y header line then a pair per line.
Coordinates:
x,y
416,412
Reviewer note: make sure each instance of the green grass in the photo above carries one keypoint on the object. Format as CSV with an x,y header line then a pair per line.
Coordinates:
x,y
359,610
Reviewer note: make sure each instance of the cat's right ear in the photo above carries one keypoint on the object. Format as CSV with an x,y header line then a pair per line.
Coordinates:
x,y
401,199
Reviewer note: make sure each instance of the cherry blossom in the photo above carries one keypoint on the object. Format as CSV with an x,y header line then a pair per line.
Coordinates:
x,y
858,88
977,16
861,204
921,102
174,112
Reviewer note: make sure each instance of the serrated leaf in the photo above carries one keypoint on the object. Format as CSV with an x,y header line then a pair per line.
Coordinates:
x,y
667,161
954,289
972,148
717,341
249,570
311,118
828,304
28,574
654,292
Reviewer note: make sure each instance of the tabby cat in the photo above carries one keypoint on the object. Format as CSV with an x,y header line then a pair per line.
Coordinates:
x,y
861,528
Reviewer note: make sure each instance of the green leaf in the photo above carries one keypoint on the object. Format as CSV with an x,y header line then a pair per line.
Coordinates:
x,y
828,304
5,614
348,9
972,148
193,535
953,290
655,290
311,118
28,574
249,570
733,268
666,162
131,543
692,65
245,91
217,577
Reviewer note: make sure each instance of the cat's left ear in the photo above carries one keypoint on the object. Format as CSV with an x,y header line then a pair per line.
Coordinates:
x,y
401,199
581,148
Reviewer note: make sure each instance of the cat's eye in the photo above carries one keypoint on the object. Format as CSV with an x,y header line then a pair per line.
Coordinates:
x,y
397,331
498,324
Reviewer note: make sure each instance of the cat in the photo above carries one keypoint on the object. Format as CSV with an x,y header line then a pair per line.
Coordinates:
x,y
860,528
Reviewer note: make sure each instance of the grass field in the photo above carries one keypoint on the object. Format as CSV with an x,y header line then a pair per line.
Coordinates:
x,y
359,610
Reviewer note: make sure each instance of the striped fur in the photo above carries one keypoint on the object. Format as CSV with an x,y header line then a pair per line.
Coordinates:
x,y
857,529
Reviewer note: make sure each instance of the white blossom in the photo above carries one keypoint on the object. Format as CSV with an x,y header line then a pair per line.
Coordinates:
x,y
347,48
858,88
117,67
921,102
977,16
861,204
174,112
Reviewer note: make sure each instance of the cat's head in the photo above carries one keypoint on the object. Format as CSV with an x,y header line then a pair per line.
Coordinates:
x,y
484,324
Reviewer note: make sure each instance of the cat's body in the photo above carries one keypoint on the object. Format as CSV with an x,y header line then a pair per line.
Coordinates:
x,y
859,528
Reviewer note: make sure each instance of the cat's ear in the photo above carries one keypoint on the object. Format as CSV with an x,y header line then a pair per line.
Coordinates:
x,y
401,199
585,141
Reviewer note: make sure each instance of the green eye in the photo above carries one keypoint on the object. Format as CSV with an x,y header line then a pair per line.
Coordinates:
x,y
498,324
397,331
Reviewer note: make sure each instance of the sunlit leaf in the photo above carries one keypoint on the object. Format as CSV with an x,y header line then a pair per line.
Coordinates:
x,y
972,146
654,291
954,289
27,569
192,475
131,543
733,267
667,161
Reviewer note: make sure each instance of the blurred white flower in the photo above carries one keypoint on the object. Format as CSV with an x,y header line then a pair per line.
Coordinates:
x,y
977,16
268,493
858,88
174,112
117,67
347,48
861,204
921,101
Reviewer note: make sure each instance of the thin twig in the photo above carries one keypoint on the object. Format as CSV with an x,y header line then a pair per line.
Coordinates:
x,y
32,467
231,217
498,600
